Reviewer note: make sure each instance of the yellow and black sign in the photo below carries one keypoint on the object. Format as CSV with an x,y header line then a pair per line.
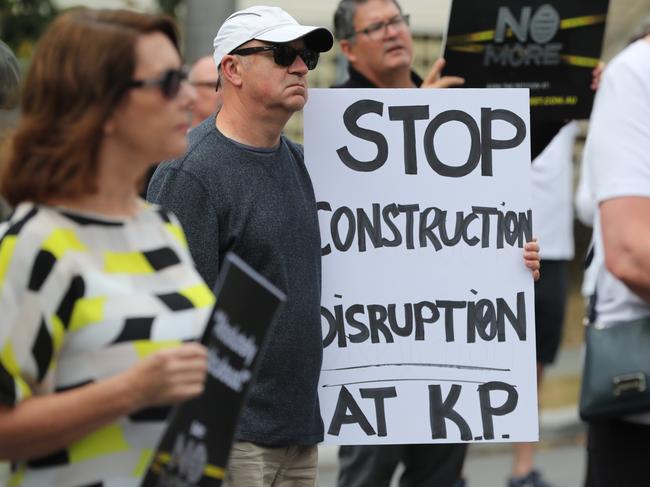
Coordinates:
x,y
550,47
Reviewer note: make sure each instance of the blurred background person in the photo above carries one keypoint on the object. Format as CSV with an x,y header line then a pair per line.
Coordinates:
x,y
9,78
584,201
552,149
375,38
617,156
9,89
205,79
98,291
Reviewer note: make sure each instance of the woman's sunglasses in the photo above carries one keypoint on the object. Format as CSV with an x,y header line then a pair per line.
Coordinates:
x,y
283,54
169,83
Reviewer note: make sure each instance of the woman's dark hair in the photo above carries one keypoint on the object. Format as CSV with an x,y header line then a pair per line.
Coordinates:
x,y
80,71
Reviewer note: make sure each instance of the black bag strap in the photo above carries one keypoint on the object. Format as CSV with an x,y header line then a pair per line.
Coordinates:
x,y
589,257
591,309
590,312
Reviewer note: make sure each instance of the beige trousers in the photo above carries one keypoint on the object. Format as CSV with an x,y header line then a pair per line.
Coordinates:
x,y
252,465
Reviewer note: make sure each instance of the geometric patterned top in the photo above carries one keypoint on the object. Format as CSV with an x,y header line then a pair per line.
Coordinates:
x,y
83,297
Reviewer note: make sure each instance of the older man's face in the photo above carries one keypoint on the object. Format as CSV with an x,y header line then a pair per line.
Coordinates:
x,y
274,86
380,51
203,77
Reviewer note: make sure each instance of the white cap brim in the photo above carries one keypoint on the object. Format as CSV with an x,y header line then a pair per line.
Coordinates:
x,y
317,38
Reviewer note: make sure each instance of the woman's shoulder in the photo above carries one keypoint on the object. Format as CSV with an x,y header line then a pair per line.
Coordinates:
x,y
26,221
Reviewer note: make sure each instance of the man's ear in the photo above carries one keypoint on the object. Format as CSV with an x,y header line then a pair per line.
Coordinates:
x,y
231,69
347,48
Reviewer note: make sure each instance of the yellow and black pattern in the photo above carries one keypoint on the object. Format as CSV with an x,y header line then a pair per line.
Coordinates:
x,y
79,294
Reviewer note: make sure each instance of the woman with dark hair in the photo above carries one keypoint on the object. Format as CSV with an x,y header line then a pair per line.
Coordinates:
x,y
99,298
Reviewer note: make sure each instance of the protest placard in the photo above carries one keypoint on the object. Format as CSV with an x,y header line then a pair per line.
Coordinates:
x,y
195,447
427,306
550,47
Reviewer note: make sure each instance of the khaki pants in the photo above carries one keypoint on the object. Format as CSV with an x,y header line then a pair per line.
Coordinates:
x,y
252,465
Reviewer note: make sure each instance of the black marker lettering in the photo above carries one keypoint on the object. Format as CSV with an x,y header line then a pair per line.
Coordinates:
x,y
350,118
379,395
488,115
475,148
408,115
488,411
440,410
348,412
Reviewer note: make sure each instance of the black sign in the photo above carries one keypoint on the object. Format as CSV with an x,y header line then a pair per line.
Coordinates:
x,y
194,450
549,47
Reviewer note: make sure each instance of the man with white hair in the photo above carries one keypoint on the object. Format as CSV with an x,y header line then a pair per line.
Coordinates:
x,y
243,187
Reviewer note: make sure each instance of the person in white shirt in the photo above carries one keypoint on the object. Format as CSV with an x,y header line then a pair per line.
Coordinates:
x,y
617,156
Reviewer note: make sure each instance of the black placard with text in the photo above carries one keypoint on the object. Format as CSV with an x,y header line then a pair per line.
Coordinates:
x,y
550,47
195,447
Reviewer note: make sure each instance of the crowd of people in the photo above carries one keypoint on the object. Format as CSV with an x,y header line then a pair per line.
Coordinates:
x,y
103,294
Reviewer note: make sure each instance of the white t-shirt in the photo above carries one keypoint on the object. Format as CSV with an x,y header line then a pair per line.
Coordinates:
x,y
552,180
618,156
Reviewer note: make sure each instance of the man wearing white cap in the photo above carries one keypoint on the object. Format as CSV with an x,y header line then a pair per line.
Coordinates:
x,y
243,187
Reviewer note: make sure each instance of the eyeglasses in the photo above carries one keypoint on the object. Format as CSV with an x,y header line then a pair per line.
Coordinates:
x,y
378,30
283,54
169,83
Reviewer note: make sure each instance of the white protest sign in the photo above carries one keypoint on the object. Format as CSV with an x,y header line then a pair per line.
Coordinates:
x,y
427,307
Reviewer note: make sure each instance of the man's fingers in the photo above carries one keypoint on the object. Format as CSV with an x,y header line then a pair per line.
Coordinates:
x,y
433,79
596,75
533,245
434,73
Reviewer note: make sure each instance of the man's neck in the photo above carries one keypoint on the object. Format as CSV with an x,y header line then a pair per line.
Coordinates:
x,y
398,78
254,129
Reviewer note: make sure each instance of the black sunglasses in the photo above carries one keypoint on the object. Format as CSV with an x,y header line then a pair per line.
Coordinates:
x,y
283,54
169,83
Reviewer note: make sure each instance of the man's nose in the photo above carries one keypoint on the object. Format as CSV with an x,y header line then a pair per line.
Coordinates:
x,y
298,66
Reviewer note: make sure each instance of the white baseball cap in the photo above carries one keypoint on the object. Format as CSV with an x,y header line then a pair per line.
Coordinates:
x,y
270,24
